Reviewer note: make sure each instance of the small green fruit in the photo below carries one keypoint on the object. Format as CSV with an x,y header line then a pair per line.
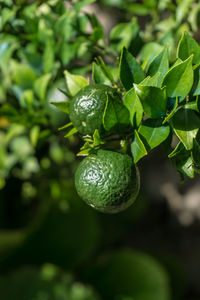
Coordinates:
x,y
108,181
87,107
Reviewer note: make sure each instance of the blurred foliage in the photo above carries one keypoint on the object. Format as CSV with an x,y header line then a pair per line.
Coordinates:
x,y
37,41
46,282
58,231
162,21
127,274
41,218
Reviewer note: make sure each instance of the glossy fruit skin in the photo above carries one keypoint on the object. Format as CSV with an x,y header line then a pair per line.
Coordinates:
x,y
87,107
108,181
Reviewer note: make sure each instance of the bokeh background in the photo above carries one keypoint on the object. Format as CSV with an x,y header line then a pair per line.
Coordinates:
x,y
52,245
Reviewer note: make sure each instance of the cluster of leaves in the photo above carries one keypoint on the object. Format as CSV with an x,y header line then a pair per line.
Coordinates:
x,y
167,19
37,41
162,101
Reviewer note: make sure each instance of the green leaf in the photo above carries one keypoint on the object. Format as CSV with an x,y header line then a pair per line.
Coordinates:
x,y
115,72
68,51
191,105
188,46
123,34
23,75
138,9
64,92
27,98
132,102
179,150
94,22
34,135
40,86
62,106
149,52
153,99
105,69
96,138
129,70
196,153
7,15
198,103
97,35
48,55
153,133
156,80
75,82
170,115
6,51
179,79
163,4
116,115
159,64
177,62
98,75
186,124
63,26
80,4
196,86
85,149
185,166
71,132
84,152
45,33
182,9
138,149
193,17
65,126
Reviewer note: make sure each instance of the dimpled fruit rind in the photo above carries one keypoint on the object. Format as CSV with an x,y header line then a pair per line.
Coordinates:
x,y
108,181
87,107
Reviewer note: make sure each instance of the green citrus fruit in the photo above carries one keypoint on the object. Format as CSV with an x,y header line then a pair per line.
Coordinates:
x,y
87,107
108,181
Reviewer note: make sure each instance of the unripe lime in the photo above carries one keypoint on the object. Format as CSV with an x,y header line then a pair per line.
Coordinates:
x,y
108,181
87,107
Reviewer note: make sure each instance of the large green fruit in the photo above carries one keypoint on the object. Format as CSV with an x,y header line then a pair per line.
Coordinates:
x,y
108,181
87,107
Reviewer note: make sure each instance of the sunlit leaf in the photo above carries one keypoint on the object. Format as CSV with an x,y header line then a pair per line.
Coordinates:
x,y
63,106
40,86
153,100
138,149
153,133
98,75
179,79
186,124
71,132
132,102
159,64
75,82
188,46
